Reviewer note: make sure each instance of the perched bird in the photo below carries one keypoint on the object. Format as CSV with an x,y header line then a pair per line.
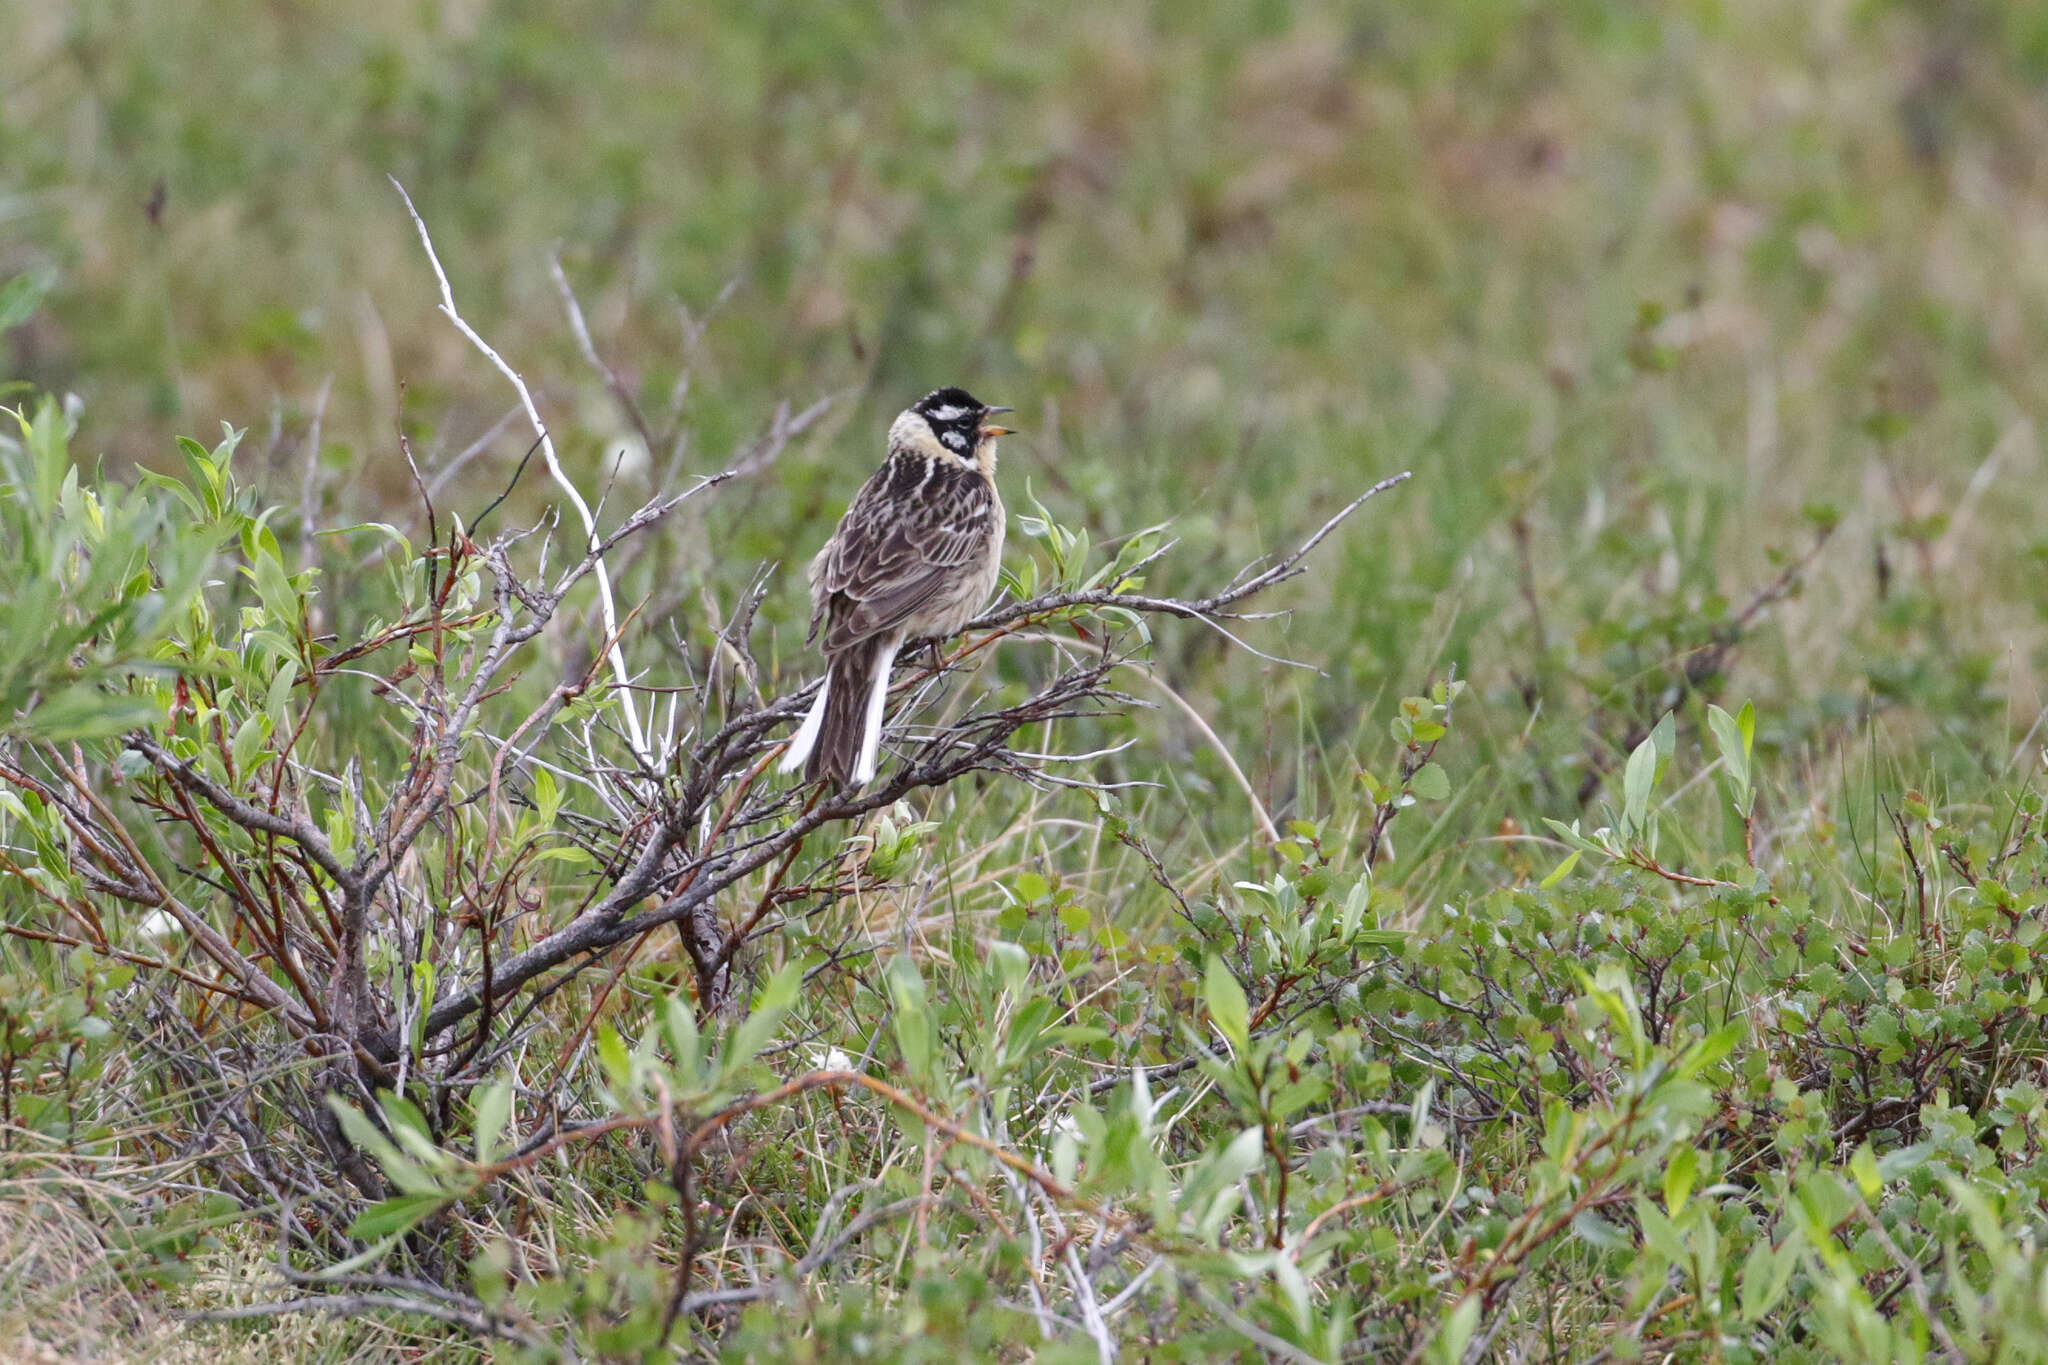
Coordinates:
x,y
914,558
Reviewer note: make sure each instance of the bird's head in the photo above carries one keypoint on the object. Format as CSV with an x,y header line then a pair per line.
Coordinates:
x,y
950,424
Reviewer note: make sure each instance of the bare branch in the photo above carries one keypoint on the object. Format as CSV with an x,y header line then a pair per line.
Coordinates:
x,y
298,829
977,743
636,735
475,1320
1200,609
743,842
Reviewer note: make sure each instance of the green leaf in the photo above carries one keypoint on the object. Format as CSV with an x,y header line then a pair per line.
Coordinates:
x,y
356,1126
1227,1004
1727,738
390,533
1596,1231
493,1112
1638,782
1616,998
1680,1175
1561,871
1733,742
22,295
1903,1161
405,1173
1458,1326
1664,735
1708,1051
277,701
408,1125
1765,1273
248,742
547,797
909,1020
1572,837
1660,1234
1217,1185
1431,782
205,478
778,993
1011,965
682,1034
396,1214
612,1055
280,599
1976,1206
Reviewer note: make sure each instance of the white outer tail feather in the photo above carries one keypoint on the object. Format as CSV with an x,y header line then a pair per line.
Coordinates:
x,y
878,700
807,734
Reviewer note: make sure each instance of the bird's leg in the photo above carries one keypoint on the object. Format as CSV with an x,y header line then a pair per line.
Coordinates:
x,y
933,659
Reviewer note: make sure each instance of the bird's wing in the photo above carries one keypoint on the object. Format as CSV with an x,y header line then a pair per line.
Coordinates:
x,y
912,528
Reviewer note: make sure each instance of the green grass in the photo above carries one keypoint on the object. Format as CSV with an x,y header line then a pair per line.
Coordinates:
x,y
1710,331
1647,285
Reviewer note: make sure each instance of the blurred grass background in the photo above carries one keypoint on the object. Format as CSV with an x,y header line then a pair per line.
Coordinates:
x,y
1642,293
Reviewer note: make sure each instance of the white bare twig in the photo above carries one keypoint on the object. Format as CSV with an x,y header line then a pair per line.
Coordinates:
x,y
1091,1314
1035,1266
1128,1294
617,656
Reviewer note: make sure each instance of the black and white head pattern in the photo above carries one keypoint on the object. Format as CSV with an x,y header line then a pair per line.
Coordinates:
x,y
955,417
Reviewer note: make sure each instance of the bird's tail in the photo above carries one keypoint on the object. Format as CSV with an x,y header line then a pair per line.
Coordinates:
x,y
841,738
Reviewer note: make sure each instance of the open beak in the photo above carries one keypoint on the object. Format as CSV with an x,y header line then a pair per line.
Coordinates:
x,y
989,428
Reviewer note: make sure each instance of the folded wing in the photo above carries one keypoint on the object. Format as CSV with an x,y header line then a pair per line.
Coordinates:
x,y
911,530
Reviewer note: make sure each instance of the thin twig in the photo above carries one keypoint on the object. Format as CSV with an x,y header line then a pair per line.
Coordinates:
x,y
635,735
355,1305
